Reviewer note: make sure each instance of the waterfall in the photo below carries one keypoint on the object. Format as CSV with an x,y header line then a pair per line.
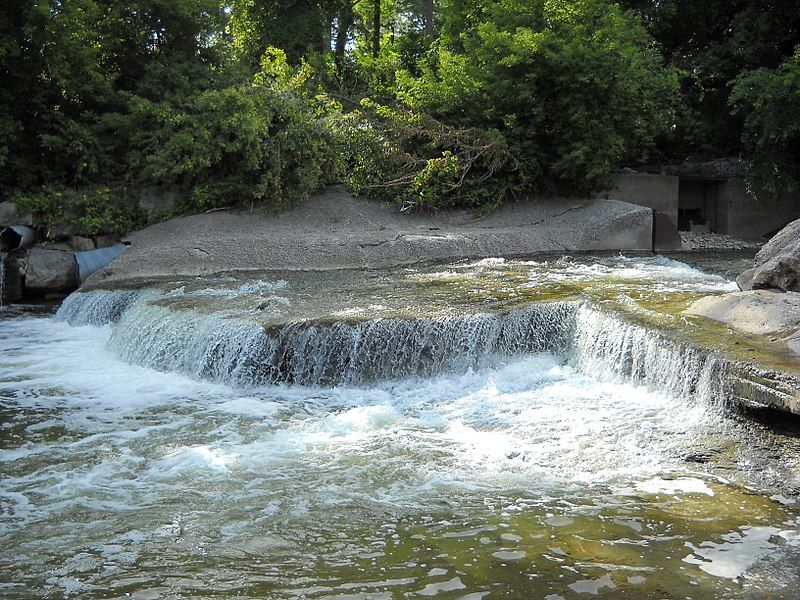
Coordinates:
x,y
98,307
241,351
608,347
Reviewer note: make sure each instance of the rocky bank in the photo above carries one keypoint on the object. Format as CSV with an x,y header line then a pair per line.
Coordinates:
x,y
769,303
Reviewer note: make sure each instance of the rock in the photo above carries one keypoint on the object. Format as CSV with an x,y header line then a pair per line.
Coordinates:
x,y
10,214
106,241
51,271
65,230
63,246
777,264
11,285
158,201
745,280
695,240
333,230
781,273
760,312
81,244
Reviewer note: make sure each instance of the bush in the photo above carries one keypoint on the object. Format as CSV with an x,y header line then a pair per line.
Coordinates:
x,y
97,209
421,163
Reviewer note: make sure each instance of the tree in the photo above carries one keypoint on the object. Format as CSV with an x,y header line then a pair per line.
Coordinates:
x,y
577,89
712,43
768,100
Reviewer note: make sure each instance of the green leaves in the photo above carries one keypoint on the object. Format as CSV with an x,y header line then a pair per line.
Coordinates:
x,y
576,88
769,101
423,164
259,143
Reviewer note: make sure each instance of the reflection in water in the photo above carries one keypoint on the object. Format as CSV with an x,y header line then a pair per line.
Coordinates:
x,y
527,475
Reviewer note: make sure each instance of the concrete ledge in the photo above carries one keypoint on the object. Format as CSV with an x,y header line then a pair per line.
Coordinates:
x,y
336,231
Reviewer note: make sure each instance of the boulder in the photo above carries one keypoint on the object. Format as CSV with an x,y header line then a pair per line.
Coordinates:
x,y
10,214
51,271
158,201
13,264
66,229
761,312
106,241
777,264
81,244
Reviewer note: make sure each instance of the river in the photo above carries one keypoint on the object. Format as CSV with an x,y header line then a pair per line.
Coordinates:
x,y
490,429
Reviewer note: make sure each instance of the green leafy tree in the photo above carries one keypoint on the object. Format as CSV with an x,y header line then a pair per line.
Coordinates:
x,y
768,100
712,43
264,142
577,88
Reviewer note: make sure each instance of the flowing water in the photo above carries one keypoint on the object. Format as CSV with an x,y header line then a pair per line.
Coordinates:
x,y
499,429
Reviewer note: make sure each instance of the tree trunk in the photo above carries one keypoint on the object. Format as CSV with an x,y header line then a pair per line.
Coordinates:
x,y
344,22
376,29
326,34
429,30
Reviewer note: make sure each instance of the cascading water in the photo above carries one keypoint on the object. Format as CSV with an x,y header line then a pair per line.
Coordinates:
x,y
466,431
242,352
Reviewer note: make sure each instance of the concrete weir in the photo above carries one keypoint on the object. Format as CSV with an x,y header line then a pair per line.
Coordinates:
x,y
333,230
593,340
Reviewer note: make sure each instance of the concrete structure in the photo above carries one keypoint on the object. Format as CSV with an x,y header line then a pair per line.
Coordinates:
x,y
741,215
720,204
333,230
659,192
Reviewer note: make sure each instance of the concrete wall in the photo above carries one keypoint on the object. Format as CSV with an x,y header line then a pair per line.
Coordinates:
x,y
743,216
659,192
725,203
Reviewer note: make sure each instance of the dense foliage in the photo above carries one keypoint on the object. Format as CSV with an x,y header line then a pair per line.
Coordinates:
x,y
433,104
769,100
576,88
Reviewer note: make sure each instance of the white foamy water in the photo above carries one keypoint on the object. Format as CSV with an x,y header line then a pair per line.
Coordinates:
x,y
118,479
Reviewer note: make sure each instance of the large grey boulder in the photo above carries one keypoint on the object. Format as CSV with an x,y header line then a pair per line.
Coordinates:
x,y
761,312
51,271
158,201
81,244
777,264
333,230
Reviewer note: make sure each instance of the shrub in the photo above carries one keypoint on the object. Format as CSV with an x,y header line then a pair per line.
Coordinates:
x,y
416,160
